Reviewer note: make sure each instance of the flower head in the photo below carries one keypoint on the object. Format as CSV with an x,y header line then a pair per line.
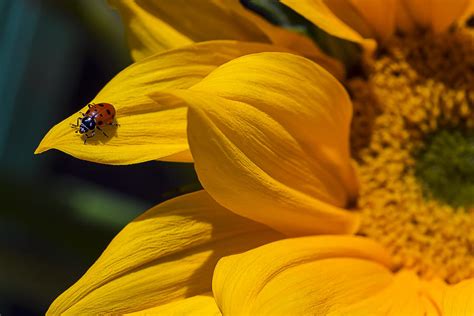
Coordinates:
x,y
284,151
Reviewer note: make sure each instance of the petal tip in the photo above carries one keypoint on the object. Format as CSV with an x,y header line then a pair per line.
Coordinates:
x,y
41,148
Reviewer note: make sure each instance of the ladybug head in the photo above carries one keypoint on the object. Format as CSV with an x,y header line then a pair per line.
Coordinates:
x,y
87,124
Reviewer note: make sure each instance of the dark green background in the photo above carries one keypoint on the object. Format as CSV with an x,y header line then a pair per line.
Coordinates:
x,y
57,213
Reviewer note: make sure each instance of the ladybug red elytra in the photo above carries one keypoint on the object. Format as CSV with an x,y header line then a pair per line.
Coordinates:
x,y
97,115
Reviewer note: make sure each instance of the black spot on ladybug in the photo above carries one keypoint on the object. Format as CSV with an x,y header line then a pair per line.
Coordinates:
x,y
101,105
100,122
108,111
101,115
88,111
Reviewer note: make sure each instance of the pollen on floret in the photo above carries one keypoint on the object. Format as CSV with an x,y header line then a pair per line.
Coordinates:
x,y
417,197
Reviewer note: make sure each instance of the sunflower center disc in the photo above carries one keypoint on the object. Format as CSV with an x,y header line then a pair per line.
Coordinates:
x,y
445,168
411,139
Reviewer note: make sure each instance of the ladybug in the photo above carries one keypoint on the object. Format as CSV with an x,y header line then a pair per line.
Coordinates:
x,y
97,115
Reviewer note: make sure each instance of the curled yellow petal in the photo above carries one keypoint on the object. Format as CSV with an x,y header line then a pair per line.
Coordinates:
x,y
459,299
301,276
151,127
274,128
437,15
196,305
167,254
338,18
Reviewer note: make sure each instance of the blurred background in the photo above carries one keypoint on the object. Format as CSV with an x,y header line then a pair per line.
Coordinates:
x,y
57,213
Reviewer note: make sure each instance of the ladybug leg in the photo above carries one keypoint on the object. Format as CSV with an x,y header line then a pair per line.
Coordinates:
x,y
77,123
100,129
114,124
87,136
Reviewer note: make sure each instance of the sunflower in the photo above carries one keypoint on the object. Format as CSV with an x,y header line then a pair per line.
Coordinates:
x,y
319,198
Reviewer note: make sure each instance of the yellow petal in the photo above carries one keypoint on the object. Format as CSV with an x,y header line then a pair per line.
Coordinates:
x,y
196,305
379,14
146,33
292,40
167,254
435,14
157,25
274,128
153,26
301,276
151,127
338,18
459,299
434,291
403,296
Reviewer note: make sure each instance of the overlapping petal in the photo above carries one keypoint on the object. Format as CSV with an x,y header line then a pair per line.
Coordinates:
x,y
157,25
405,295
323,275
154,26
301,276
360,21
379,15
459,299
167,254
436,15
151,127
341,19
269,135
